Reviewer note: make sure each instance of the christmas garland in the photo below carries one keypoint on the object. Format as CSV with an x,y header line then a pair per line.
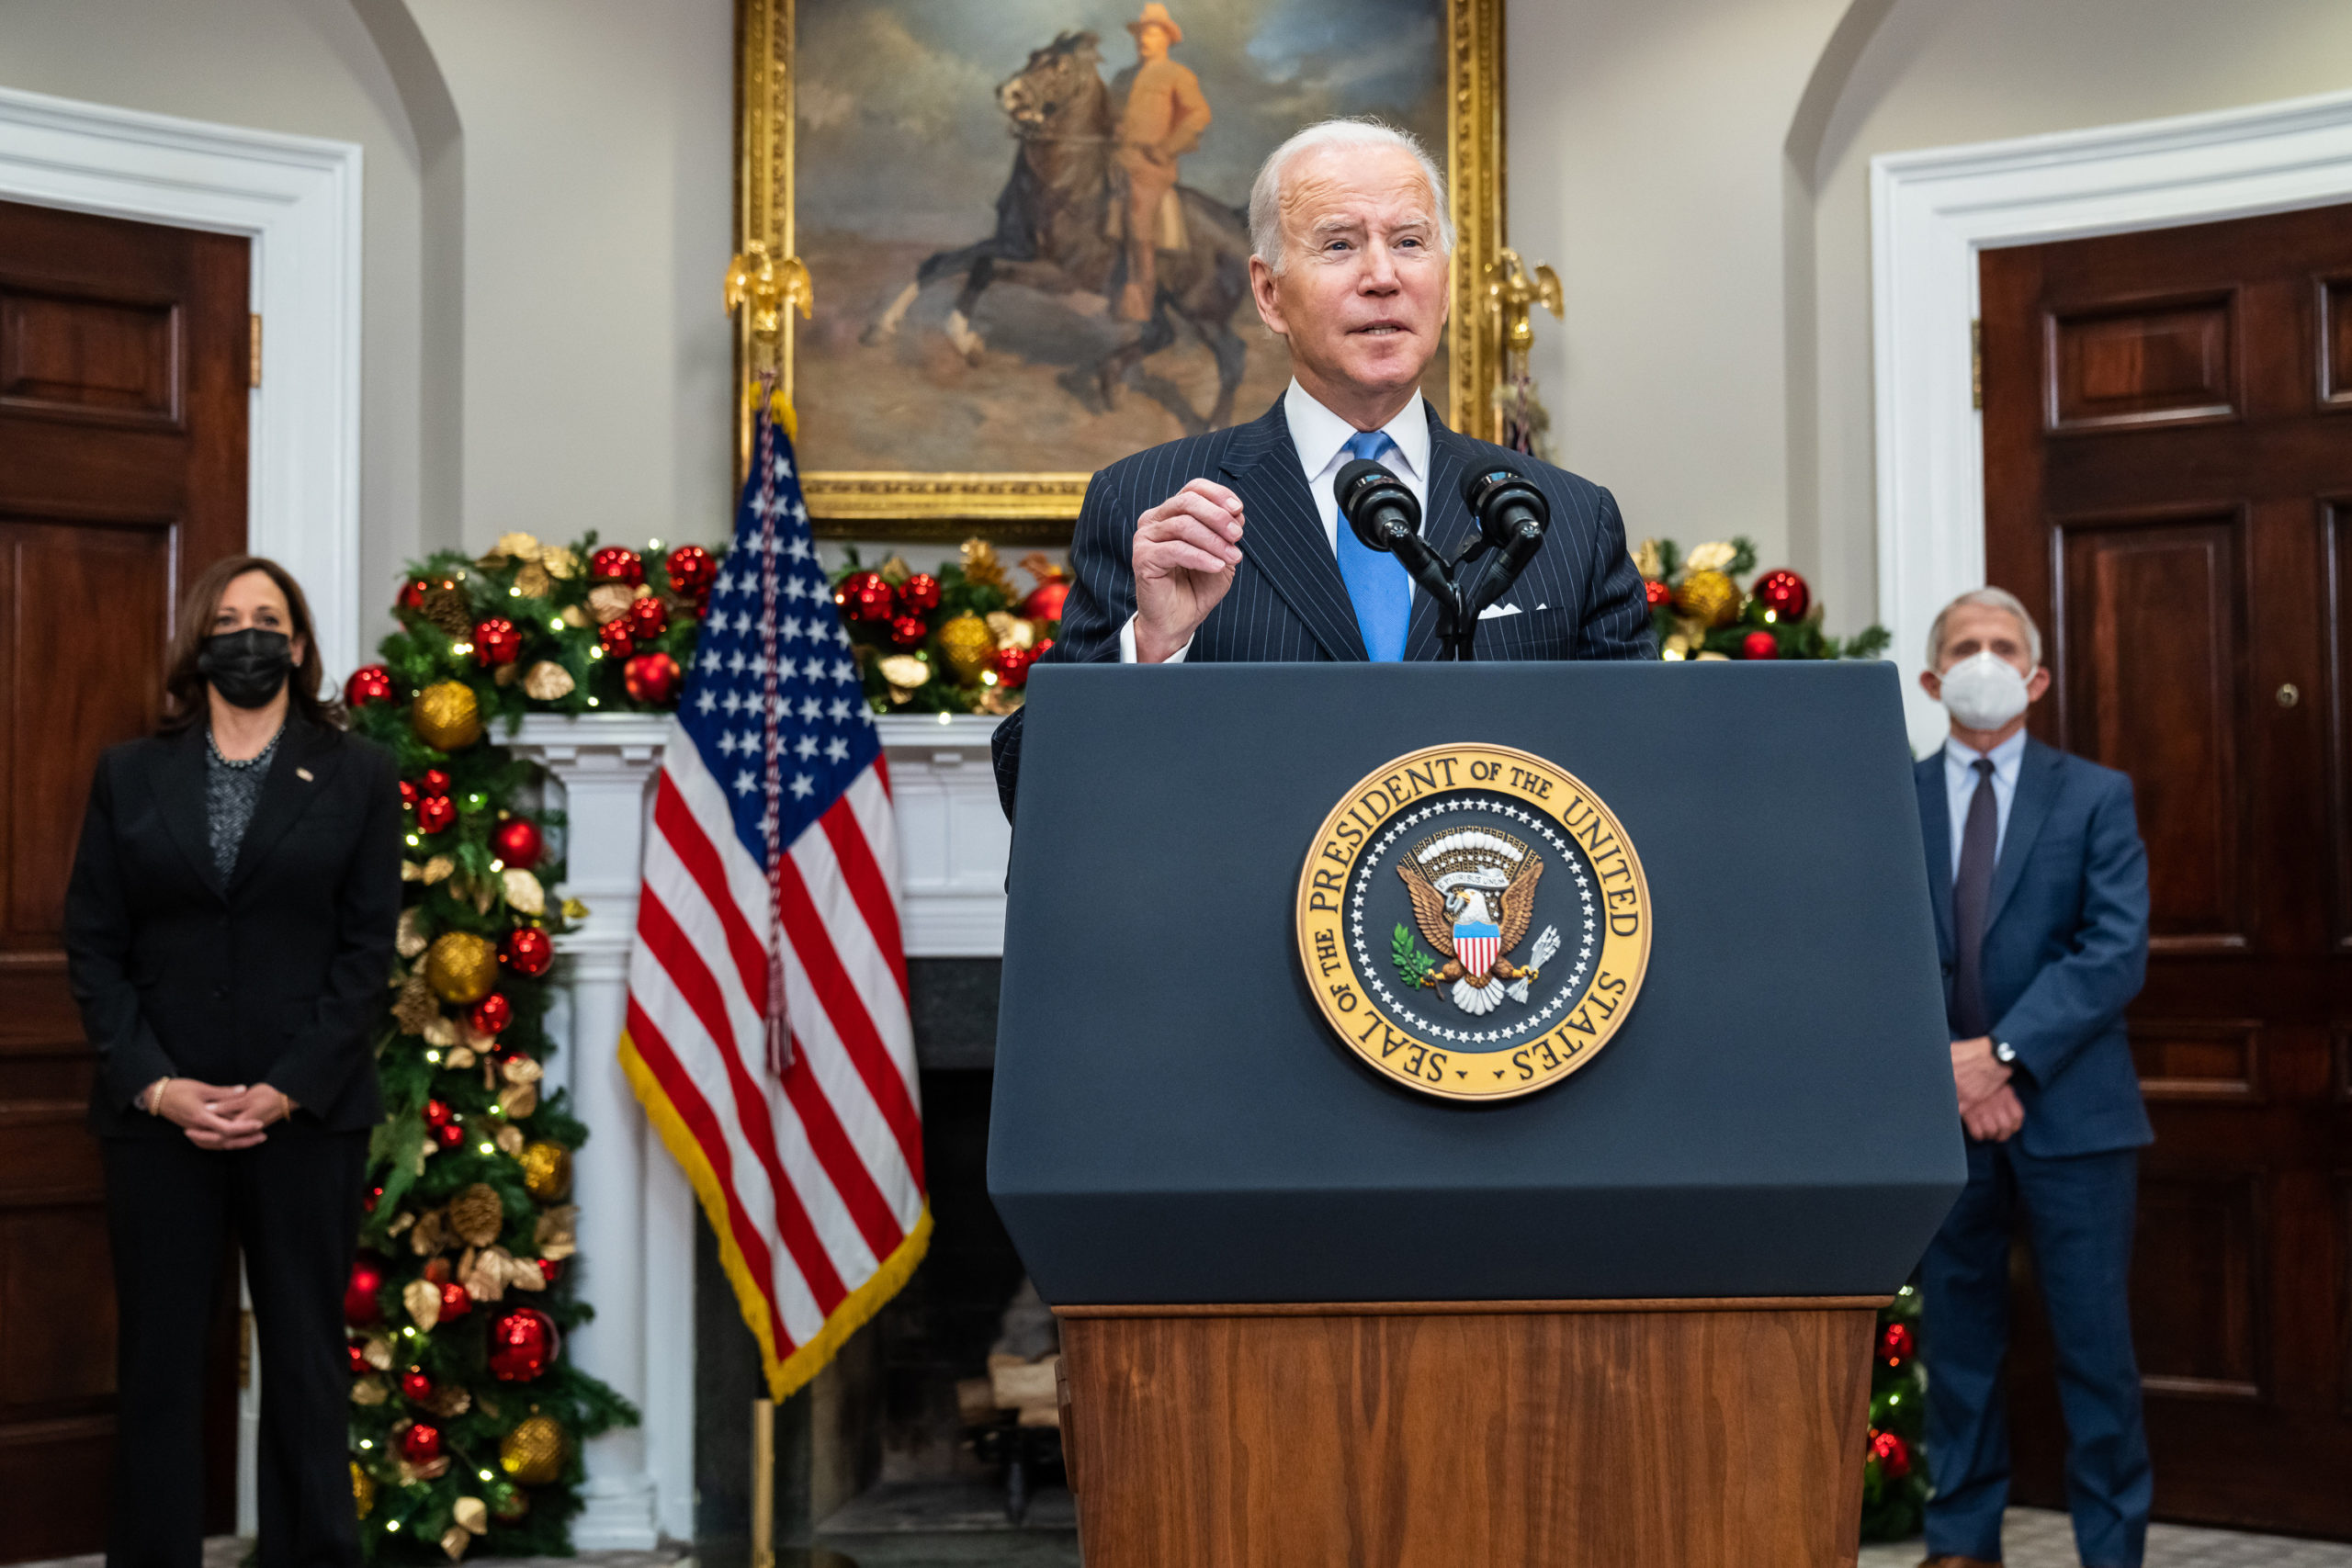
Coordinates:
x,y
958,640
1699,610
467,1416
1895,1474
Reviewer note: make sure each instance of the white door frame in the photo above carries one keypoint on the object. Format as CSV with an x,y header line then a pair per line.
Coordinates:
x,y
297,199
1931,211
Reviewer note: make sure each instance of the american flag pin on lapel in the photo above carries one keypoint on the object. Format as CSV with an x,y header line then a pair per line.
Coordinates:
x,y
303,774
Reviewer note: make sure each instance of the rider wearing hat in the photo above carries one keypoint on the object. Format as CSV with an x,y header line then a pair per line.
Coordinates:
x,y
1162,120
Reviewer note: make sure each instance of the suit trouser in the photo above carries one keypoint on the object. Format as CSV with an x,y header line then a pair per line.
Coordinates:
x,y
2079,1214
292,1202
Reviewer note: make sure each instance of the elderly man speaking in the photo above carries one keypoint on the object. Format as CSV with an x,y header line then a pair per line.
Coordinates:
x,y
1229,545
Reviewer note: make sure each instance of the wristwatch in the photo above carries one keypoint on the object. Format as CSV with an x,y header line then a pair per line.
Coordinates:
x,y
2005,1053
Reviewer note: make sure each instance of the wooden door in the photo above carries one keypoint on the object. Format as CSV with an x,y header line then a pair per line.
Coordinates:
x,y
2168,468
123,389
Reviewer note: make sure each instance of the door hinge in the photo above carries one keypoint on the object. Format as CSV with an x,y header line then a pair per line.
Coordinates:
x,y
1975,361
254,365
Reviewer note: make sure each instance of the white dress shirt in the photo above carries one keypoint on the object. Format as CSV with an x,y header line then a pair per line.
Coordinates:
x,y
1320,438
1959,788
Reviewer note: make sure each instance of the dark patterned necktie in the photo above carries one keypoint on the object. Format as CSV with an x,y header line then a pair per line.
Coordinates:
x,y
1971,897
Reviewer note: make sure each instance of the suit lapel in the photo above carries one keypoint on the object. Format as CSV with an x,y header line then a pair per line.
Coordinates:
x,y
180,798
2037,790
1284,535
1934,829
297,775
1446,523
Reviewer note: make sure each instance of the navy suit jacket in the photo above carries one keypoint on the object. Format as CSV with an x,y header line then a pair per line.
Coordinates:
x,y
1581,598
2065,944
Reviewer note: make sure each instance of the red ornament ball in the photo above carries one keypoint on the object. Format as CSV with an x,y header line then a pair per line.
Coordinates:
x,y
1037,654
527,951
908,631
1893,1455
415,1387
435,813
1759,645
496,641
360,1305
522,1345
437,1114
1045,602
863,596
1657,593
517,842
409,797
919,594
358,1352
491,1014
1783,593
653,679
368,683
615,638
435,781
647,619
421,1443
615,564
692,572
1013,667
454,1303
449,1137
375,1195
1896,1344
550,1268
413,594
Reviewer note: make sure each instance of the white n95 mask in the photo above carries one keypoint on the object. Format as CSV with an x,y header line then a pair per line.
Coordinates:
x,y
1984,690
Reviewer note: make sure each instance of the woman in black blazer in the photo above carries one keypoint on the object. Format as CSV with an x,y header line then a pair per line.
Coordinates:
x,y
228,932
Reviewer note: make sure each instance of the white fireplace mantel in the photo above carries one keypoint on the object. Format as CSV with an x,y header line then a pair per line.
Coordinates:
x,y
636,1208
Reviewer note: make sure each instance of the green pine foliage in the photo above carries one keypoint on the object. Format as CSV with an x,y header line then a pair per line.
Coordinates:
x,y
430,1058
1799,638
1894,1477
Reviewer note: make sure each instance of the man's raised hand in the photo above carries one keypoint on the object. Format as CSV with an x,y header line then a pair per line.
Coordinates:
x,y
1185,552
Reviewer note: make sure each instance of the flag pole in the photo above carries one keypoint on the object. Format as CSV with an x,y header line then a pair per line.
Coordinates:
x,y
763,1484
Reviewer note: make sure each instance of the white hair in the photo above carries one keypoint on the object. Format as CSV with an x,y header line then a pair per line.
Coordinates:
x,y
1991,599
1266,192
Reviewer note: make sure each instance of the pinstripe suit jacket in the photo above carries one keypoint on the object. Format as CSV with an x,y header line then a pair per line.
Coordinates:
x,y
1581,598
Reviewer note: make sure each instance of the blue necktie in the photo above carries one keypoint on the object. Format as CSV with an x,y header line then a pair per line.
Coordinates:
x,y
1376,580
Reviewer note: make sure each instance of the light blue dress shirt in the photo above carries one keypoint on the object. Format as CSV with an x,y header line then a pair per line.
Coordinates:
x,y
1959,788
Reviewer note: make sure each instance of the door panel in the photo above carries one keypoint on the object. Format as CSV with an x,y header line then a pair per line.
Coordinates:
x,y
123,409
2168,484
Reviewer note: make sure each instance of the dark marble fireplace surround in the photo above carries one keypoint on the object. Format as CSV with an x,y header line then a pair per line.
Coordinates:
x,y
886,1411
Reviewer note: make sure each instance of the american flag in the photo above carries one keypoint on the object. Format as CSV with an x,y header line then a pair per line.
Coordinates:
x,y
768,1037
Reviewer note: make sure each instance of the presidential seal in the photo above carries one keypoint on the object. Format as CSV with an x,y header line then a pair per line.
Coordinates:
x,y
1473,921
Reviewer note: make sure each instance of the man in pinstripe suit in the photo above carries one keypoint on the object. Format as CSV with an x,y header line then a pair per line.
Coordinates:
x,y
1229,545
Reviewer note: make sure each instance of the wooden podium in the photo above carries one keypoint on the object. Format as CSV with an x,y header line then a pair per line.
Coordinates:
x,y
1622,1322
1653,1434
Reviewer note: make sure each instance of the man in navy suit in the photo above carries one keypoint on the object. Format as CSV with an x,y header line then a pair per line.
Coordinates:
x,y
2041,891
1229,545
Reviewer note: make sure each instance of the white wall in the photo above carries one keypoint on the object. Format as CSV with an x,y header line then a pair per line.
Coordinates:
x,y
547,212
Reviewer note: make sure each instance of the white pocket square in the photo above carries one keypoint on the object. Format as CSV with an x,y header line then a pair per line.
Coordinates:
x,y
1496,611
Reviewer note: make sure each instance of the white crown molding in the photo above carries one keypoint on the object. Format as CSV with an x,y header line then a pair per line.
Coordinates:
x,y
297,199
1931,211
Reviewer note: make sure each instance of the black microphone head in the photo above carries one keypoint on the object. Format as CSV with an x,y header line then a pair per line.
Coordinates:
x,y
1375,504
1505,503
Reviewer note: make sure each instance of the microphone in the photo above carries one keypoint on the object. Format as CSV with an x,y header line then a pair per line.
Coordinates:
x,y
1513,517
1385,517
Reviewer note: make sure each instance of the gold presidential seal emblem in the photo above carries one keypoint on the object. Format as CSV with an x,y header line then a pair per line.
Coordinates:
x,y
1473,921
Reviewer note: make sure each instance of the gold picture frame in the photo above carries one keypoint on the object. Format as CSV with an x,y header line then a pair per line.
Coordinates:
x,y
767,282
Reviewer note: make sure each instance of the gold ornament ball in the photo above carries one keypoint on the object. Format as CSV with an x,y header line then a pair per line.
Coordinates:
x,y
546,1170
447,717
1707,596
969,645
461,967
363,1490
531,1453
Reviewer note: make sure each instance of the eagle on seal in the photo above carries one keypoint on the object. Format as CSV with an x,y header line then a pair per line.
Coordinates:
x,y
1510,909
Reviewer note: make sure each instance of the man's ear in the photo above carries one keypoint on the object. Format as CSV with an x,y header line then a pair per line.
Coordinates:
x,y
1933,684
2036,683
1262,289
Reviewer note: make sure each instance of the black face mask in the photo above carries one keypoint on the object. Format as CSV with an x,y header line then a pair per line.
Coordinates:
x,y
248,666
